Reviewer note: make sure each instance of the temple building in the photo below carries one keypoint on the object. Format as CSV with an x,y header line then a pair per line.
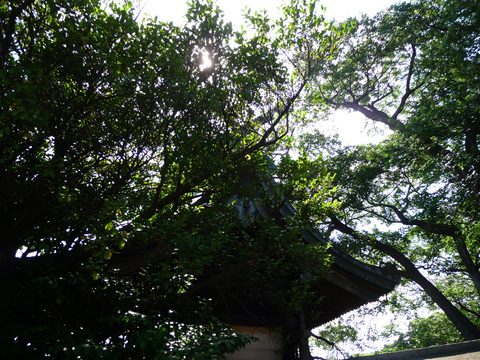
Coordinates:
x,y
347,285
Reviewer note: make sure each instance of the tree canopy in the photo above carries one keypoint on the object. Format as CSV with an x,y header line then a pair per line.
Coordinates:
x,y
119,145
409,204
121,142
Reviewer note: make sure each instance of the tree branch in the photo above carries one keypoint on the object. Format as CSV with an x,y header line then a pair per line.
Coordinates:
x,y
461,322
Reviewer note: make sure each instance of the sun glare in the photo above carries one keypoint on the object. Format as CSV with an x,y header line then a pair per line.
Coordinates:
x,y
206,62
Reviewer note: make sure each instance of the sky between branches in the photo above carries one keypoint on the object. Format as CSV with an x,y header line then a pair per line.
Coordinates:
x,y
349,126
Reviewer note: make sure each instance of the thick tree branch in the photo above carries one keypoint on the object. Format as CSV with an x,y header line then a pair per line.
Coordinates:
x,y
461,322
371,113
446,230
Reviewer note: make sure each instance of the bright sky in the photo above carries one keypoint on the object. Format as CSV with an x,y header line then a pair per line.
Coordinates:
x,y
173,10
349,126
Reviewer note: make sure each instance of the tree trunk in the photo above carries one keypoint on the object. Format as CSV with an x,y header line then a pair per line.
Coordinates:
x,y
468,330
461,322
304,346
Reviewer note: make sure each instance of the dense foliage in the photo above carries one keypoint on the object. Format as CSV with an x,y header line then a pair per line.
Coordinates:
x,y
424,332
119,145
410,203
122,142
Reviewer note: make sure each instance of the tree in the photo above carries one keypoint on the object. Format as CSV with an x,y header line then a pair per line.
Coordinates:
x,y
410,203
118,147
424,332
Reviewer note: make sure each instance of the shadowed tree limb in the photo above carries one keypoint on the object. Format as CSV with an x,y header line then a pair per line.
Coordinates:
x,y
461,322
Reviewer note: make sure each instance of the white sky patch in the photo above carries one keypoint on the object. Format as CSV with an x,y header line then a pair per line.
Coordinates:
x,y
353,128
167,10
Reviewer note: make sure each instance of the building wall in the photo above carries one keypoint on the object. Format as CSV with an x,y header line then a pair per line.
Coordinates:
x,y
267,348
